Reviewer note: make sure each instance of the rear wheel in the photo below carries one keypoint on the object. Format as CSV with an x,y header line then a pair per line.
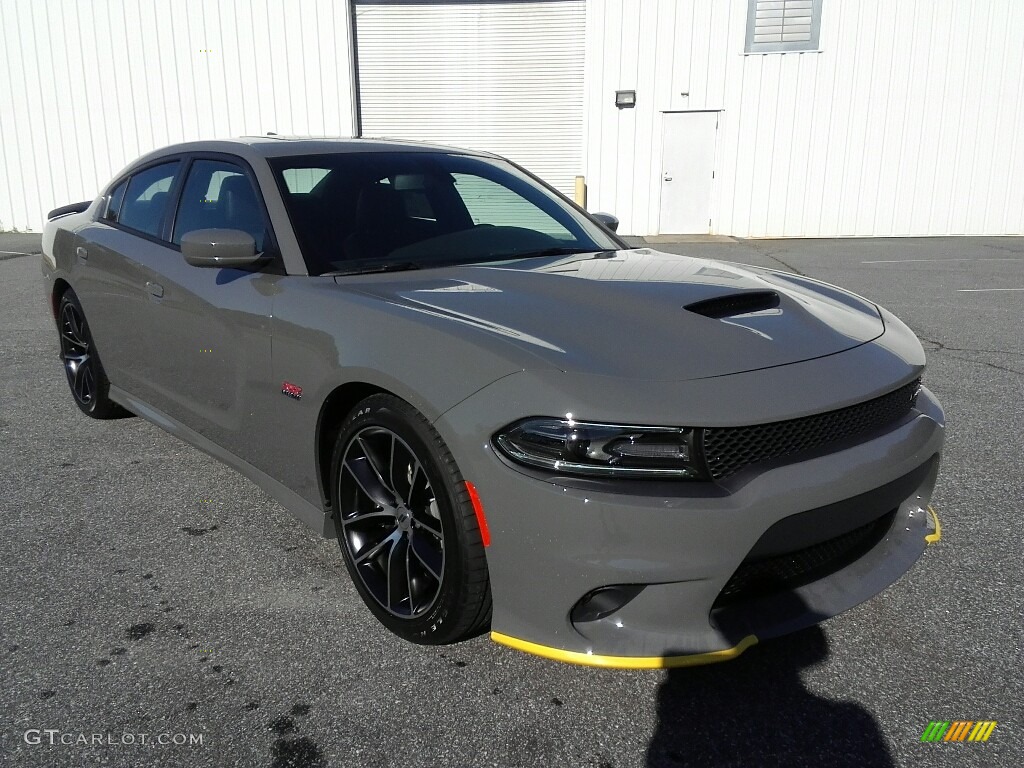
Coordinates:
x,y
86,378
406,526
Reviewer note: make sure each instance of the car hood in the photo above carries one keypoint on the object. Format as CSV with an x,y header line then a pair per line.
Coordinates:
x,y
639,313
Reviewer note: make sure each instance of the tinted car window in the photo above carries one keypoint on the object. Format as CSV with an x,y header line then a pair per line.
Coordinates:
x,y
145,201
429,208
115,200
301,180
488,202
218,195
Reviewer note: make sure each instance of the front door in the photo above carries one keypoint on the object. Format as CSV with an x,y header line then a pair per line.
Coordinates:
x,y
688,166
208,329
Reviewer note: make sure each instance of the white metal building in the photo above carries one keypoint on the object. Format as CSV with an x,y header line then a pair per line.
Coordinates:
x,y
753,118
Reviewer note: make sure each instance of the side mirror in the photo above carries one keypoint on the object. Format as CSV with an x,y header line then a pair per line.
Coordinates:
x,y
608,220
227,248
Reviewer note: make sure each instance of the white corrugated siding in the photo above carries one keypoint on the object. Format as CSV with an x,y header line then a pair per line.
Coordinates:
x,y
501,77
908,122
86,87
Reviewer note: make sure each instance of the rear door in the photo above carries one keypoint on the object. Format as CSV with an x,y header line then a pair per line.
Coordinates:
x,y
108,273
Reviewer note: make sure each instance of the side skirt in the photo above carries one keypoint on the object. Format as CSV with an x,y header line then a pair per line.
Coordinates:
x,y
313,516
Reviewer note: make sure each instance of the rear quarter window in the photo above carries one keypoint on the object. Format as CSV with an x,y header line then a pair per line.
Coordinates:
x,y
114,201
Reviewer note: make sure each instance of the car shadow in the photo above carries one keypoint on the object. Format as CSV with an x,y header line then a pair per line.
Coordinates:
x,y
755,711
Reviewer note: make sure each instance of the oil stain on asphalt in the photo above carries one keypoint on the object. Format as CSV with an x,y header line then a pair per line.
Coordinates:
x,y
139,631
198,531
290,750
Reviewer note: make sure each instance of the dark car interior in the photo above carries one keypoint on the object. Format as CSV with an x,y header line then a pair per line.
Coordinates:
x,y
372,207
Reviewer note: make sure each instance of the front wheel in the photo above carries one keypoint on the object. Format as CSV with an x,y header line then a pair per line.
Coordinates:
x,y
406,526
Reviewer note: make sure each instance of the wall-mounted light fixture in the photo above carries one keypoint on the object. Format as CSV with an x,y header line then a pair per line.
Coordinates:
x,y
625,99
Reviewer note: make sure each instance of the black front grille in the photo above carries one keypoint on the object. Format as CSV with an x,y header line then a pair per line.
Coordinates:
x,y
730,449
760,578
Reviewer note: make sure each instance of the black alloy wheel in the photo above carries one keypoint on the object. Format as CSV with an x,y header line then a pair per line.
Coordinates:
x,y
75,353
86,377
406,527
392,525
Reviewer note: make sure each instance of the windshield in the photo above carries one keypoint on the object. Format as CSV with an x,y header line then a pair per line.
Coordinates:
x,y
375,211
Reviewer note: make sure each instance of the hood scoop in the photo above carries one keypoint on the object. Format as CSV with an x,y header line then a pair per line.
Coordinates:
x,y
734,304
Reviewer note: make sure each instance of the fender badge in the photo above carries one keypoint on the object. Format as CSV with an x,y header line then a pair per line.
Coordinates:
x,y
291,390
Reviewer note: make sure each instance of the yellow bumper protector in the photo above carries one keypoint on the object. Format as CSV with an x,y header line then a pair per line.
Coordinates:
x,y
931,538
625,662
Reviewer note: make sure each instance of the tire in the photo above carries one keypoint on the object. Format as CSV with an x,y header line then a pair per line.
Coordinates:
x,y
406,526
86,378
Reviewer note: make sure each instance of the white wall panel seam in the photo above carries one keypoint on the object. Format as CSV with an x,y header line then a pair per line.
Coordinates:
x,y
1016,160
1000,116
980,187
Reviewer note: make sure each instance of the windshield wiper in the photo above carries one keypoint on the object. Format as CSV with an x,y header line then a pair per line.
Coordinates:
x,y
369,269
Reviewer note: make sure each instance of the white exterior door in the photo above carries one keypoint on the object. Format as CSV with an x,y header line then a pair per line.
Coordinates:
x,y
687,172
500,77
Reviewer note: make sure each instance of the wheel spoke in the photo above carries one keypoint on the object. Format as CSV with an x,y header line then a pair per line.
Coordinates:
x,y
391,469
397,580
412,483
69,318
362,517
429,527
88,384
80,370
392,538
369,480
71,340
408,575
374,465
429,559
77,327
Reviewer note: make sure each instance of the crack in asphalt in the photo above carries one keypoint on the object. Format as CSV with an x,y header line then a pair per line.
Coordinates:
x,y
940,347
771,255
1005,248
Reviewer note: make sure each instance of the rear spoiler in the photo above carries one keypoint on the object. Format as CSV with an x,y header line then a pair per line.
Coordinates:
x,y
64,210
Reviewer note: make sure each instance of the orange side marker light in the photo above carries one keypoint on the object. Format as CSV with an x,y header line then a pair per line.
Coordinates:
x,y
478,510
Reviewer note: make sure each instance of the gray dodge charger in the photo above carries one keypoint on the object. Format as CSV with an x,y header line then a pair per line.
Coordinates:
x,y
509,418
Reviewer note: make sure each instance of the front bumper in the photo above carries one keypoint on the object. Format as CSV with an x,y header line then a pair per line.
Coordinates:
x,y
553,543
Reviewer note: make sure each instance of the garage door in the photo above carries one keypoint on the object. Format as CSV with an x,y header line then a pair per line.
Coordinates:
x,y
505,77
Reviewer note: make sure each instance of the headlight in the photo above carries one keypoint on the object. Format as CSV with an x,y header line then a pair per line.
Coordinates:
x,y
608,450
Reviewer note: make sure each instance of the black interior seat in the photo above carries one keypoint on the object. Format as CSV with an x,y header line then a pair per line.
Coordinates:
x,y
150,216
381,224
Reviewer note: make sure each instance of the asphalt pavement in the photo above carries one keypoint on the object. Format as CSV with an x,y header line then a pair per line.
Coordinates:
x,y
151,594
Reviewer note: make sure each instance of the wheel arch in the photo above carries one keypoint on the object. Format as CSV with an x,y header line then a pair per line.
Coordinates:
x,y
337,405
60,287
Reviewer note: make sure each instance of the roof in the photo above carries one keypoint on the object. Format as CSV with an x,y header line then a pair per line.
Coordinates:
x,y
251,147
272,145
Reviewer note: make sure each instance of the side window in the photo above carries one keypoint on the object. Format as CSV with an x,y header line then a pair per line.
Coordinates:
x,y
218,195
114,201
490,203
145,200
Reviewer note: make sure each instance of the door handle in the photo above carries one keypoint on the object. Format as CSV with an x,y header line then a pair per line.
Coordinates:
x,y
155,289
81,252
667,176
